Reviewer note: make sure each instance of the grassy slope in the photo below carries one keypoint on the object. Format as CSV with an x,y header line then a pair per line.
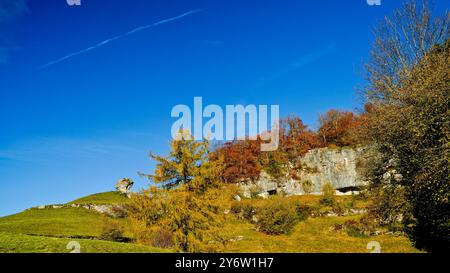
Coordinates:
x,y
312,235
63,222
37,230
68,222
32,244
110,197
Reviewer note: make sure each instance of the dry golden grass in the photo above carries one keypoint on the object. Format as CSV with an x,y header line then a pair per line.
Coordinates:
x,y
310,236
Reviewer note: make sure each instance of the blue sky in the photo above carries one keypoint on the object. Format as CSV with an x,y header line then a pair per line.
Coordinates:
x,y
73,126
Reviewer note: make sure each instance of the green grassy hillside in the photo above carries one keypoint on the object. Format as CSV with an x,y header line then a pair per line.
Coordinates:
x,y
63,222
12,243
110,197
50,229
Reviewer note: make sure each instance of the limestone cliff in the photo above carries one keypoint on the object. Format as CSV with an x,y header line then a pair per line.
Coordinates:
x,y
338,166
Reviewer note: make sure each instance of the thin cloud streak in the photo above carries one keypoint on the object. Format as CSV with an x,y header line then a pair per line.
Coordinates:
x,y
102,43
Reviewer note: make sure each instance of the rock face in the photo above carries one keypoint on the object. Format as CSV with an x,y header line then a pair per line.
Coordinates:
x,y
337,166
124,185
264,187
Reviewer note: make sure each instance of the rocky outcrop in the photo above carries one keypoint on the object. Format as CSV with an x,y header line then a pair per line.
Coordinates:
x,y
264,187
339,166
116,211
124,185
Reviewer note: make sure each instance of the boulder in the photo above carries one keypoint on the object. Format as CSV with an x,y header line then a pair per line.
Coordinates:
x,y
264,195
124,185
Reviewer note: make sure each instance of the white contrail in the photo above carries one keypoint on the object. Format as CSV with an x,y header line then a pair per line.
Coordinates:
x,y
102,43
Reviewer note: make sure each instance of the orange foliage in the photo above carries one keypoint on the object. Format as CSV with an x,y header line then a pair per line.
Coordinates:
x,y
295,138
243,159
339,128
240,160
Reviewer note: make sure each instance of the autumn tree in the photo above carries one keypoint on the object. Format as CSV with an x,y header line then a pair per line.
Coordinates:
x,y
240,160
186,164
184,220
409,120
186,205
401,41
243,159
338,128
296,138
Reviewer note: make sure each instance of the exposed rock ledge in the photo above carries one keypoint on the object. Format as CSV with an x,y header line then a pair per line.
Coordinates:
x,y
116,211
339,166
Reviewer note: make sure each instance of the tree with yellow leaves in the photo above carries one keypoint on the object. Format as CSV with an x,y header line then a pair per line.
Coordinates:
x,y
186,204
188,164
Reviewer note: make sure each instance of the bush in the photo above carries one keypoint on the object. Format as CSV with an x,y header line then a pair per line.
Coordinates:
x,y
369,224
354,229
243,209
255,190
303,211
363,228
390,206
277,217
112,231
307,186
328,194
352,203
162,238
338,207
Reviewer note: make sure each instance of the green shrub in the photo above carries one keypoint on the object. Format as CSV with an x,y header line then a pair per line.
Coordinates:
x,y
243,209
112,231
303,211
351,204
390,205
338,207
354,229
328,194
307,186
255,190
363,228
277,217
